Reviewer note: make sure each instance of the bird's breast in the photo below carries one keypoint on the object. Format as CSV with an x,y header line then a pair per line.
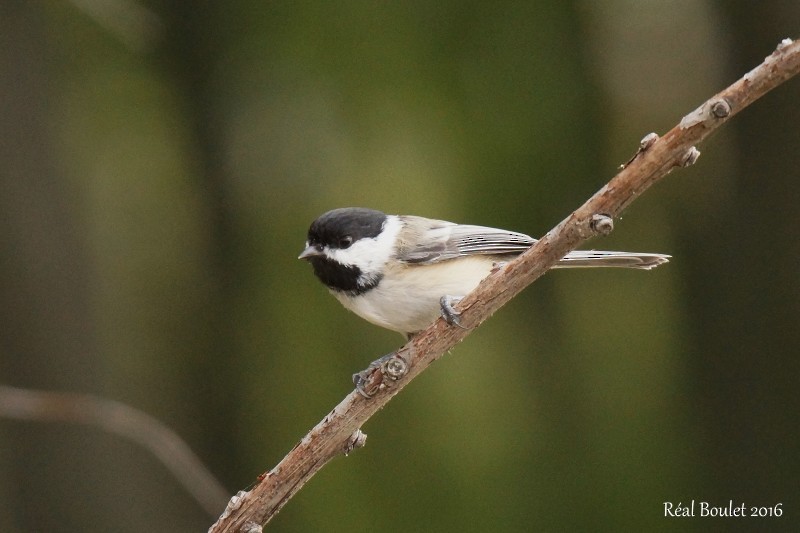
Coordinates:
x,y
406,299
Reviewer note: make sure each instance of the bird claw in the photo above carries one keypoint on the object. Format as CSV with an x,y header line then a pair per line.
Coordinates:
x,y
449,313
380,373
362,380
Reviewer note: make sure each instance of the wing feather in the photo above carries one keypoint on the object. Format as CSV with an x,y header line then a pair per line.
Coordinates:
x,y
425,241
429,241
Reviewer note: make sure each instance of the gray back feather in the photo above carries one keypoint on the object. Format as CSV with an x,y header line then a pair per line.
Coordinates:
x,y
432,241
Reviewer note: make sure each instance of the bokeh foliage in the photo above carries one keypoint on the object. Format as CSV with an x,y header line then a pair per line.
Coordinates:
x,y
159,169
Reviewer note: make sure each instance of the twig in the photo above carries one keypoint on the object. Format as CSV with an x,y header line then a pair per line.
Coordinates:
x,y
339,433
120,419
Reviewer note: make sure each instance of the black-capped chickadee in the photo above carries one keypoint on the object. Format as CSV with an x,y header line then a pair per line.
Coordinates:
x,y
401,272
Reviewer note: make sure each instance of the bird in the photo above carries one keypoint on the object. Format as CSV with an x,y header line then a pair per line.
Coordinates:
x,y
402,272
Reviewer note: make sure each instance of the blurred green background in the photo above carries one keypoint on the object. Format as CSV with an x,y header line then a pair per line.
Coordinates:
x,y
160,163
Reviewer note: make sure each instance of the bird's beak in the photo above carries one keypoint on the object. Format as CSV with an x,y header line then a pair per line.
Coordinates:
x,y
309,252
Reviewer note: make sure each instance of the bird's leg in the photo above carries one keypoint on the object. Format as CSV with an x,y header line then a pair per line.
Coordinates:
x,y
449,313
447,302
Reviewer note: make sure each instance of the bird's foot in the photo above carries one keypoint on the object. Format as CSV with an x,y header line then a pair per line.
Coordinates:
x,y
372,379
449,313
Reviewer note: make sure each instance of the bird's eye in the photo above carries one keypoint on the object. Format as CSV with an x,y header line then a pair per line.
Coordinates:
x,y
345,242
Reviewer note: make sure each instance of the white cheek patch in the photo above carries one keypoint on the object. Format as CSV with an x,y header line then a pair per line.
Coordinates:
x,y
370,255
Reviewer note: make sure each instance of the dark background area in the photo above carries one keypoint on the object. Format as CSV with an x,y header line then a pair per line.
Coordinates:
x,y
160,163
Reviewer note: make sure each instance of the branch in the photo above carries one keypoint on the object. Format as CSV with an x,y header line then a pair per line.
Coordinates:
x,y
338,433
120,419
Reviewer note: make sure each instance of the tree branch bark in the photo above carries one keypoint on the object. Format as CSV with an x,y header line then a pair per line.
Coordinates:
x,y
338,433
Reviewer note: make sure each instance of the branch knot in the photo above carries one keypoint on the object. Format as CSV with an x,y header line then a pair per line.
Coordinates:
x,y
721,108
689,157
357,440
395,368
601,224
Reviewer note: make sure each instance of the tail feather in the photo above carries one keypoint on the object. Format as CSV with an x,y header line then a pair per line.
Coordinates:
x,y
599,258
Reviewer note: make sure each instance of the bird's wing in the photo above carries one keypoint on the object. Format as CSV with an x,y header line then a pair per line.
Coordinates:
x,y
428,242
